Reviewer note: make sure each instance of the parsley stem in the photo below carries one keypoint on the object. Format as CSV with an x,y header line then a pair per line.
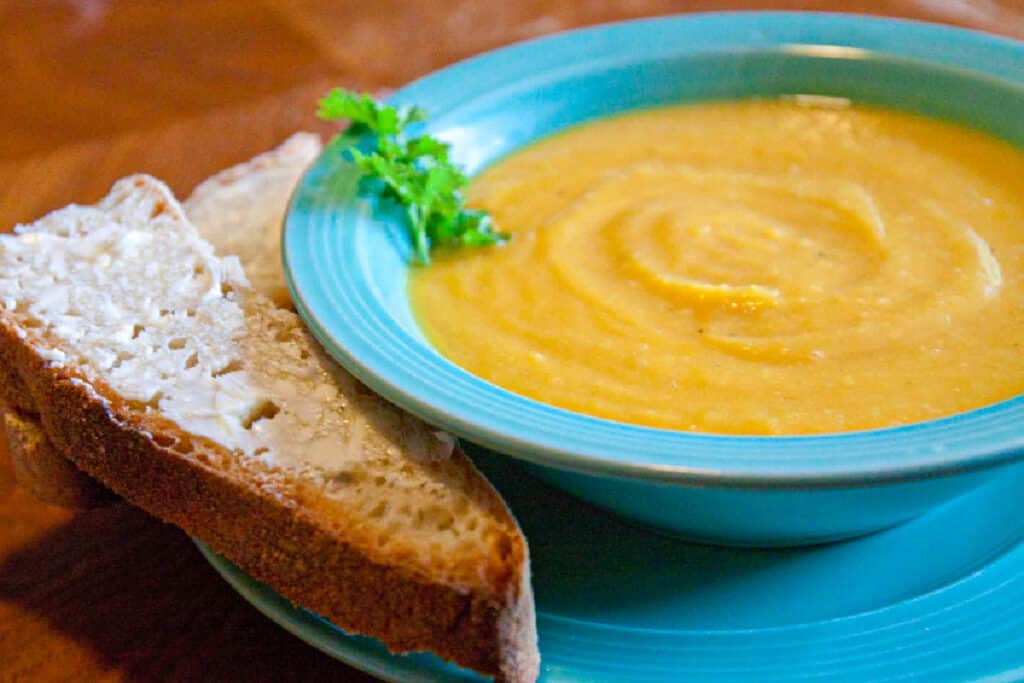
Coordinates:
x,y
412,172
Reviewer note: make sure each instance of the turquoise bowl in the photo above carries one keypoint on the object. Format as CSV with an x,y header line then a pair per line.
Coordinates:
x,y
347,260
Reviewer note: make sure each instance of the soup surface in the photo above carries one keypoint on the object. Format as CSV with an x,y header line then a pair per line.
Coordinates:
x,y
756,267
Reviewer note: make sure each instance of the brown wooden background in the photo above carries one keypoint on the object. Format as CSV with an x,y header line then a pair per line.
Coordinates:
x,y
91,90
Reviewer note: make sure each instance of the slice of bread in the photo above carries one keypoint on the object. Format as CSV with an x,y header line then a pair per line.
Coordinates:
x,y
157,369
241,210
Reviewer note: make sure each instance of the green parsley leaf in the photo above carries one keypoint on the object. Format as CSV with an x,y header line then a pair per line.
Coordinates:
x,y
414,172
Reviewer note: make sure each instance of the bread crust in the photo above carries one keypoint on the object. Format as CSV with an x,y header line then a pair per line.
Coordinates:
x,y
174,476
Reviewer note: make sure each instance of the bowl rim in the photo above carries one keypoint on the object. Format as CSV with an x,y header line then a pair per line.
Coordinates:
x,y
981,438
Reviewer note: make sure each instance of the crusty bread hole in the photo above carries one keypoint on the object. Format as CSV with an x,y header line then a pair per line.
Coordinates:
x,y
264,410
234,366
121,358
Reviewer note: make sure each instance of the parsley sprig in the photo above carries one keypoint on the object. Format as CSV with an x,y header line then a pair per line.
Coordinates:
x,y
415,172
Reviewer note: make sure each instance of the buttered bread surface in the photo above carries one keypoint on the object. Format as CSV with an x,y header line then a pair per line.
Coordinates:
x,y
756,267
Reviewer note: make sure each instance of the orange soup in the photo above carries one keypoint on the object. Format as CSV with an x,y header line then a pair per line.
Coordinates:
x,y
756,267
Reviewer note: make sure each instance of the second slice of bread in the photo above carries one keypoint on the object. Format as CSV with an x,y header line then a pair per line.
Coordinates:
x,y
240,211
43,470
158,370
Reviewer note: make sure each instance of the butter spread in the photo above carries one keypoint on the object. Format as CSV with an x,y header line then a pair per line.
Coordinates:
x,y
144,306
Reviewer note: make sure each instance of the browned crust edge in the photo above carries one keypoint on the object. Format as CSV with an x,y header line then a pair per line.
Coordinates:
x,y
277,544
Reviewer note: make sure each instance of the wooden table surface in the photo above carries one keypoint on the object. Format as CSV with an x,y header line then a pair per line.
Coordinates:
x,y
91,90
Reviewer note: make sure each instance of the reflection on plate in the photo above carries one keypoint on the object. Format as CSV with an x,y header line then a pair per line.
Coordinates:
x,y
939,598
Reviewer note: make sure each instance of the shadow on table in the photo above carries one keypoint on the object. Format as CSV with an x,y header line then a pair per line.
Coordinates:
x,y
140,596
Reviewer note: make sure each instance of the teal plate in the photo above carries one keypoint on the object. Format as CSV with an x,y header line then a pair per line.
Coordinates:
x,y
937,599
